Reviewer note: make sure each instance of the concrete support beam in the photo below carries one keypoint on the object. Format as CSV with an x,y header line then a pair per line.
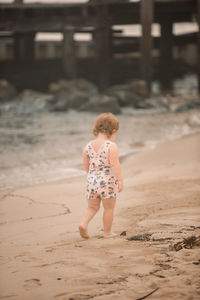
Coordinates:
x,y
69,53
146,44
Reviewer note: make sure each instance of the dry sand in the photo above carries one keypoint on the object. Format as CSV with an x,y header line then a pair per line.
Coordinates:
x,y
43,256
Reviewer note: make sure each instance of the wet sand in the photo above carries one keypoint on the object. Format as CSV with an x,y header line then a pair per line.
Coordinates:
x,y
43,256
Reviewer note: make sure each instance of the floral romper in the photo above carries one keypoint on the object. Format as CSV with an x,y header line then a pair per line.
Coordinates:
x,y
101,183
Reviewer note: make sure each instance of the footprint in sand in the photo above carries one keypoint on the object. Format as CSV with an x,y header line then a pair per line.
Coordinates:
x,y
32,283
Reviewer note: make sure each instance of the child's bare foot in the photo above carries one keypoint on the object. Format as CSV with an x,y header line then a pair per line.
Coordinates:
x,y
110,235
83,232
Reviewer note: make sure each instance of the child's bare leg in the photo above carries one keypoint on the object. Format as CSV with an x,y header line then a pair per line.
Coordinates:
x,y
90,212
109,205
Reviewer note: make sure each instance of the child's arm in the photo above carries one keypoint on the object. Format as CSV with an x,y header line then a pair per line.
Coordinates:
x,y
115,165
85,161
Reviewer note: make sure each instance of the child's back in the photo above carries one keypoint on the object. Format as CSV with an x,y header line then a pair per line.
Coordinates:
x,y
101,181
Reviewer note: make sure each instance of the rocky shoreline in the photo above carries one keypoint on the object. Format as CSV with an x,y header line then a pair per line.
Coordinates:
x,y
82,95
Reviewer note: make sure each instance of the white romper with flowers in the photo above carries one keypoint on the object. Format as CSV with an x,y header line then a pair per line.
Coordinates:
x,y
101,183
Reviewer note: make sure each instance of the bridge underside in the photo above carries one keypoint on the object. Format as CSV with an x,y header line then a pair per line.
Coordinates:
x,y
23,21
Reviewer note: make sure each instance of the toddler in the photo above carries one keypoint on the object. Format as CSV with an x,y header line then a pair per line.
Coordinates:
x,y
104,176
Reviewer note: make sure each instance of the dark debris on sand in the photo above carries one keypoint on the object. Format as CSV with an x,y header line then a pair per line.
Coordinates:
x,y
141,237
188,243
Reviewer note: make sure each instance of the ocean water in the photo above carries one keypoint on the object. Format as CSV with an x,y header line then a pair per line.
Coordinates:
x,y
46,146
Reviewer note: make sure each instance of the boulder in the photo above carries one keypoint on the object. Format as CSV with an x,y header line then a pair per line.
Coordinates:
x,y
140,87
186,106
84,95
30,101
124,96
153,102
85,86
131,94
31,95
72,93
102,104
7,90
179,103
60,102
80,84
66,99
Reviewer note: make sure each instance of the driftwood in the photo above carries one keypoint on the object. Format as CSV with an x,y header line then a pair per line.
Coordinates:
x,y
188,243
144,297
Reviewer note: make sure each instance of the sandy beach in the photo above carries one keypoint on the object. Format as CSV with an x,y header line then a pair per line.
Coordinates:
x,y
43,257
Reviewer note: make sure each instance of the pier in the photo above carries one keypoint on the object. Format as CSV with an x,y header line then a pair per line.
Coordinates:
x,y
109,62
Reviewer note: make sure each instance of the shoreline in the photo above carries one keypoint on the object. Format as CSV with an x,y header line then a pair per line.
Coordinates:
x,y
43,256
78,167
47,146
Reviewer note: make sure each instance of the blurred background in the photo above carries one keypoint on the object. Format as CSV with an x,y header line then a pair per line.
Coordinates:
x,y
107,42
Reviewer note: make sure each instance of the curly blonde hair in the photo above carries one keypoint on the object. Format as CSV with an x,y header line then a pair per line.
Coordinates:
x,y
105,123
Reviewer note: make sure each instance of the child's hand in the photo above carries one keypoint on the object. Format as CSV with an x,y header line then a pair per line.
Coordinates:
x,y
120,186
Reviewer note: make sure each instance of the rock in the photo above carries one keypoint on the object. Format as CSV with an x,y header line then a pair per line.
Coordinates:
x,y
31,95
154,102
103,104
85,86
66,99
78,98
78,84
30,101
187,106
7,90
131,94
82,94
124,96
139,87
53,87
61,101
72,93
179,103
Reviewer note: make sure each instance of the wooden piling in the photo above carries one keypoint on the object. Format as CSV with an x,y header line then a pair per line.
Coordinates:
x,y
20,20
69,53
24,46
102,38
166,45
103,45
146,44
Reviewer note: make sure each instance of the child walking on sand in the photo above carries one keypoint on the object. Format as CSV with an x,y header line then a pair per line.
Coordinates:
x,y
104,176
